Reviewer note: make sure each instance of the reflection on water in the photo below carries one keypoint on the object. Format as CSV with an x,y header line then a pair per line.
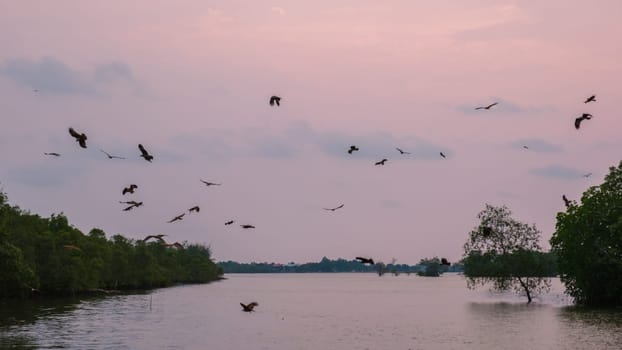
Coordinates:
x,y
312,311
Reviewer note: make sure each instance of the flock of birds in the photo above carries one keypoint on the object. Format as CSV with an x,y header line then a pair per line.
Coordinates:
x,y
81,139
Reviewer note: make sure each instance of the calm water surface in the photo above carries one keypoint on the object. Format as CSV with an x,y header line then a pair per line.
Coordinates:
x,y
312,311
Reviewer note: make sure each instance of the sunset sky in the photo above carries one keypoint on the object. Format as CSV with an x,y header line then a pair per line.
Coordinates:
x,y
191,80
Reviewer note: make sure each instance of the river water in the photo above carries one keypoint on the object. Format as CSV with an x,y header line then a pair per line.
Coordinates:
x,y
312,311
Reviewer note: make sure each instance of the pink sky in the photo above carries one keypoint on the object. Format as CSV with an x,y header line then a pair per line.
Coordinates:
x,y
191,80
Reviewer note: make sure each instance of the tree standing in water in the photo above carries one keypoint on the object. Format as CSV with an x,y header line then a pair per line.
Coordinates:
x,y
506,253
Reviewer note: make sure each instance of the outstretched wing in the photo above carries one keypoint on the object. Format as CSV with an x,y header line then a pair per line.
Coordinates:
x,y
492,105
577,123
143,151
73,133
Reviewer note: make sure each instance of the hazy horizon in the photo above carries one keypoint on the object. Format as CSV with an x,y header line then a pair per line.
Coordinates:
x,y
191,80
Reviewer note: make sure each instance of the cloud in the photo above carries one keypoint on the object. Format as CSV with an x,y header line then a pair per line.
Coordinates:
x,y
504,107
278,10
558,172
536,145
49,75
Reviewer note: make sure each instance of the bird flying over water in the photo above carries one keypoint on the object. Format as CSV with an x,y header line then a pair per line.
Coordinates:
x,y
194,209
133,204
129,189
275,99
362,260
584,116
249,307
229,222
352,149
158,237
590,99
381,162
110,156
52,154
143,153
335,208
401,151
567,202
443,155
177,218
247,226
445,262
487,107
80,138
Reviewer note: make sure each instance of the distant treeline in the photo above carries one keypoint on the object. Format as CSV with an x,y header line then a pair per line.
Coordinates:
x,y
48,256
325,265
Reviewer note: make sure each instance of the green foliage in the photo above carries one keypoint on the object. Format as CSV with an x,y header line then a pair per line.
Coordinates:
x,y
588,243
505,253
34,255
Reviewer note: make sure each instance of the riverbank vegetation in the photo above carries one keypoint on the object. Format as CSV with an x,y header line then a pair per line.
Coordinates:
x,y
48,256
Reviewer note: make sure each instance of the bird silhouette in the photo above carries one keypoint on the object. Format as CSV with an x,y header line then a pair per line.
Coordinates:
x,y
229,222
525,147
111,156
381,162
72,247
443,155
584,116
129,189
275,99
158,237
590,99
132,205
143,153
194,209
487,107
52,154
362,260
335,208
587,175
177,218
445,262
352,149
401,151
207,183
80,138
567,202
250,307
247,226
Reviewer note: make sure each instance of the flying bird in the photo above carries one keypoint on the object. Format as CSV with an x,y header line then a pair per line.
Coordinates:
x,y
275,99
401,151
247,226
110,156
158,237
445,262
129,189
487,107
143,153
133,204
443,155
194,209
71,247
352,149
590,99
525,147
381,162
335,208
80,138
52,154
177,218
587,175
249,307
207,183
369,261
229,222
584,116
567,202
